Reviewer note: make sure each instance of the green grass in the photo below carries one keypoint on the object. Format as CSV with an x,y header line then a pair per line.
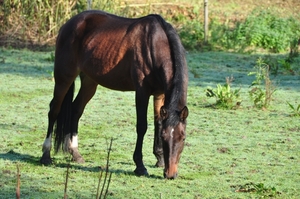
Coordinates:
x,y
243,153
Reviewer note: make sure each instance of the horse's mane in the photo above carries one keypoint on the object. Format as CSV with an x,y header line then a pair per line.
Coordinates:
x,y
180,78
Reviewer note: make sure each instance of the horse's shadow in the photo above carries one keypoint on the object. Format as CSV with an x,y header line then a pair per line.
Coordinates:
x,y
19,157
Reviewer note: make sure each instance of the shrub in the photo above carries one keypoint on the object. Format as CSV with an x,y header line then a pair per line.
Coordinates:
x,y
261,28
192,34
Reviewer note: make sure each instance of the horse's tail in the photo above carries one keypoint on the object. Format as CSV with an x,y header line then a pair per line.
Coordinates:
x,y
63,122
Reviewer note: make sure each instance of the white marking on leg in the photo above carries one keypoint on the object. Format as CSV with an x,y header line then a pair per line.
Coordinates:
x,y
171,133
47,144
70,144
74,143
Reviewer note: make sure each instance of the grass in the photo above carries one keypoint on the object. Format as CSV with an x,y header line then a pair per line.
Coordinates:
x,y
243,153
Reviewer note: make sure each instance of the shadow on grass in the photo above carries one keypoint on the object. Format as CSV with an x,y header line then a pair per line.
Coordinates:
x,y
15,156
18,157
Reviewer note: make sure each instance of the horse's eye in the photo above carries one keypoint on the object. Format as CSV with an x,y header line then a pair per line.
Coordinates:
x,y
183,136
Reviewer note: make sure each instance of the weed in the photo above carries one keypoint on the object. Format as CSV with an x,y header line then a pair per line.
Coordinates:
x,y
259,95
260,189
225,97
104,189
105,177
295,110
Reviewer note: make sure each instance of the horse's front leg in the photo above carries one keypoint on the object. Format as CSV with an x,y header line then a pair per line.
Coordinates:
x,y
141,128
157,146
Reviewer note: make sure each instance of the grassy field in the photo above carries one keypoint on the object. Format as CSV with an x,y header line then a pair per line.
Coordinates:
x,y
243,153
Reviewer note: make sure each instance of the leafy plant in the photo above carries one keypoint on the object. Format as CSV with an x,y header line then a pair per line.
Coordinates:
x,y
225,96
295,110
262,87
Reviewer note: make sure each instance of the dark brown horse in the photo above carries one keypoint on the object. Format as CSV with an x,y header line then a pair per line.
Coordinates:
x,y
144,55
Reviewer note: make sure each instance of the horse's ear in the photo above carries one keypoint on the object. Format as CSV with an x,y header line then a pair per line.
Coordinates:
x,y
163,113
184,113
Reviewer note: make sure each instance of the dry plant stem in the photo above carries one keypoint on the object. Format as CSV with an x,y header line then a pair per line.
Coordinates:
x,y
18,193
98,188
269,88
106,170
107,185
66,183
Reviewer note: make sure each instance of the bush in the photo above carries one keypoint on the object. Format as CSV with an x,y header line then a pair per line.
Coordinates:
x,y
192,34
261,28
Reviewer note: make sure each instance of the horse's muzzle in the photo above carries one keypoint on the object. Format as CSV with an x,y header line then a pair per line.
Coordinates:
x,y
171,172
171,177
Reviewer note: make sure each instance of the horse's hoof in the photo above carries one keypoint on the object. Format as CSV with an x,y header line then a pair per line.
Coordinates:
x,y
76,156
78,160
46,159
160,163
141,172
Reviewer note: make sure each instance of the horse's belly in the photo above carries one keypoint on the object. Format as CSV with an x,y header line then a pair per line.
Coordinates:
x,y
116,84
116,77
119,82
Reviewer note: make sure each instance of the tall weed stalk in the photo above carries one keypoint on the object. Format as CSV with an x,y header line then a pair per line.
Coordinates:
x,y
262,88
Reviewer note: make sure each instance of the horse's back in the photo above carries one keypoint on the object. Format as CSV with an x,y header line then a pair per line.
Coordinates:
x,y
106,47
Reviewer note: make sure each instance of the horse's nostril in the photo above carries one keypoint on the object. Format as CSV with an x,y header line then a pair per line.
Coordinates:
x,y
170,177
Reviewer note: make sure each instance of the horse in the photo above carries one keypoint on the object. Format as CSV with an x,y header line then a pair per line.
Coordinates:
x,y
144,55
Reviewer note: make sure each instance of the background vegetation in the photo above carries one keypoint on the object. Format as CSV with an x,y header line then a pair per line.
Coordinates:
x,y
240,25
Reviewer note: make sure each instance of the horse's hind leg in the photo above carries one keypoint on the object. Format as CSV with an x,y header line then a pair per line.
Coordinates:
x,y
158,101
60,91
86,92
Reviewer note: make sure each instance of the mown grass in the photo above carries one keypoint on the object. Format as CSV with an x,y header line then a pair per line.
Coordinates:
x,y
228,153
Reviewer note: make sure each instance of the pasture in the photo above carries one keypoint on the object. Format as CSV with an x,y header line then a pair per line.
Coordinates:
x,y
241,153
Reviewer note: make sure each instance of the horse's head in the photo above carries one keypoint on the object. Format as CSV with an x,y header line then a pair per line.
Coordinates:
x,y
173,137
